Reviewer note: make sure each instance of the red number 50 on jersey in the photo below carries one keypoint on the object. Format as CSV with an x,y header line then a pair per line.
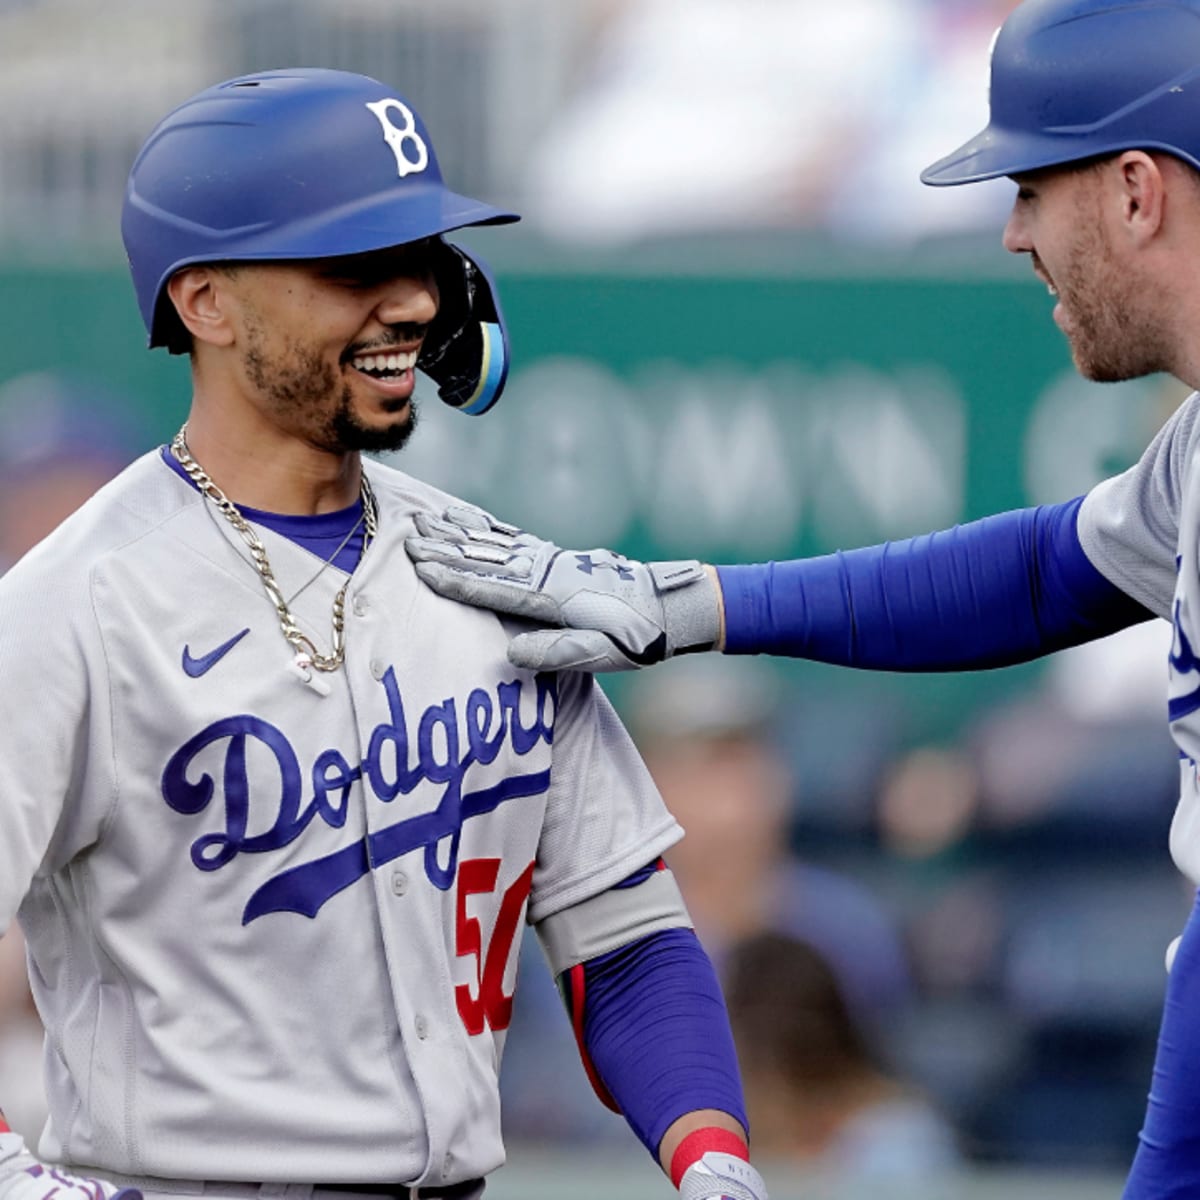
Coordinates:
x,y
488,1004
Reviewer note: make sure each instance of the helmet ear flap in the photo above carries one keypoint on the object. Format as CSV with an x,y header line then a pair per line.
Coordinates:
x,y
465,351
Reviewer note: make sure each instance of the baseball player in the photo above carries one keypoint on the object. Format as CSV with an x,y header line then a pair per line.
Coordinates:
x,y
1095,114
272,813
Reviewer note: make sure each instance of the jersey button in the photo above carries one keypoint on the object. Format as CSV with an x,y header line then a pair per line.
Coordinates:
x,y
361,606
422,1027
377,668
399,883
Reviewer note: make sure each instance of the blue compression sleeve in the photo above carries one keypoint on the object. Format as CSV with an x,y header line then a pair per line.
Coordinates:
x,y
656,1031
998,591
1167,1163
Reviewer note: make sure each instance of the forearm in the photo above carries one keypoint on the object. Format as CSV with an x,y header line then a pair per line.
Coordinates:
x,y
655,1034
990,593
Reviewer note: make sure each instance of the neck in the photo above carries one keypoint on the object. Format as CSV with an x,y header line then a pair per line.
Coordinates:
x,y
263,469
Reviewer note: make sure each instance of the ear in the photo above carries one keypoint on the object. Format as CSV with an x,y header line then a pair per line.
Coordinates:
x,y
1143,194
202,300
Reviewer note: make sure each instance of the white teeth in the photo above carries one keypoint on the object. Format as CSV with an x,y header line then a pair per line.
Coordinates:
x,y
389,363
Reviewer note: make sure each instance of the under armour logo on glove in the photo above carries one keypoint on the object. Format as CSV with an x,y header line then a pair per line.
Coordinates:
x,y
606,612
588,564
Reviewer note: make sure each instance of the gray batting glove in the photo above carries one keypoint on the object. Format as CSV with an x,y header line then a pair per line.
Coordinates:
x,y
608,613
717,1176
22,1177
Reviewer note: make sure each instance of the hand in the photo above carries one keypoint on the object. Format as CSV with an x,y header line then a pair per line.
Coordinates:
x,y
717,1176
609,613
22,1177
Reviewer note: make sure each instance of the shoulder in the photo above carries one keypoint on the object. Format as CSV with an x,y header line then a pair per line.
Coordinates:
x,y
398,490
139,500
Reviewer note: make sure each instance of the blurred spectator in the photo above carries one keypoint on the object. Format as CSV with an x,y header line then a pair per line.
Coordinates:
x,y
704,115
927,815
815,1092
939,99
706,728
717,114
61,438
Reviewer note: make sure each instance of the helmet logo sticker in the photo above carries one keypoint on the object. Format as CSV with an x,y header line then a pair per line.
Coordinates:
x,y
401,137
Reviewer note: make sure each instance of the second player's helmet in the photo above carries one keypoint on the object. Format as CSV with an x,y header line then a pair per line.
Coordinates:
x,y
312,163
1073,79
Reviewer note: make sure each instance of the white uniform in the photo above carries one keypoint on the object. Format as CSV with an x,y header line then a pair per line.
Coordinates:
x,y
1141,530
274,924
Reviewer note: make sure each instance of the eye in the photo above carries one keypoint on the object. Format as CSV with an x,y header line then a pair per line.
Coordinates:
x,y
354,280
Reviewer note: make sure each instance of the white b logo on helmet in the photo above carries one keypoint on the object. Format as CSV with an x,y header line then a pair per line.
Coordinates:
x,y
412,154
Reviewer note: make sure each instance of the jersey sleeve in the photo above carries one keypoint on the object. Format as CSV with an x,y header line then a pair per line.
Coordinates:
x,y
48,728
604,815
1129,524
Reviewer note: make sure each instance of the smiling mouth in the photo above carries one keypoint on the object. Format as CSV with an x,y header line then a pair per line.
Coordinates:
x,y
1041,272
391,366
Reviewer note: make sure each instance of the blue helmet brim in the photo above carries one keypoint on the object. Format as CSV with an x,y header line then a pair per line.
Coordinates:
x,y
378,223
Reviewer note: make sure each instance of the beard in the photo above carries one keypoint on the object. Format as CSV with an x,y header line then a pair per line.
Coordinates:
x,y
1111,335
307,392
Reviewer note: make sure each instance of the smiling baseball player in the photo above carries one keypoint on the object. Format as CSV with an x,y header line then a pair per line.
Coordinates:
x,y
272,813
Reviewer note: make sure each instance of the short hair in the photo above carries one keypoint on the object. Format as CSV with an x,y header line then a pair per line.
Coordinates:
x,y
789,1014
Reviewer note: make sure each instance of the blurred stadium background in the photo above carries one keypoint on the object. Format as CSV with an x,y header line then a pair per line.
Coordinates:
x,y
742,330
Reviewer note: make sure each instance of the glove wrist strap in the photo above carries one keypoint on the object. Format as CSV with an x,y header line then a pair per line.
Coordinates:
x,y
699,1142
691,613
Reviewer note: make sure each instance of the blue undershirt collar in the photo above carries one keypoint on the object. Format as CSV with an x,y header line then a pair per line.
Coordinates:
x,y
320,535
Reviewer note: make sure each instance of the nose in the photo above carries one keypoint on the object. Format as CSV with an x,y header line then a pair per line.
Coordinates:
x,y
409,299
1016,237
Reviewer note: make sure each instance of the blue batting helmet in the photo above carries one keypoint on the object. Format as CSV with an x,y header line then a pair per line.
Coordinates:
x,y
1073,79
309,163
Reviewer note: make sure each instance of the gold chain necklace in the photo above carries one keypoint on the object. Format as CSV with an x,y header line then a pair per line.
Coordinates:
x,y
306,652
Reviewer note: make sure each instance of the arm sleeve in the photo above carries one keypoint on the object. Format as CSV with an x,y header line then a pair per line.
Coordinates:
x,y
991,593
1167,1162
654,1032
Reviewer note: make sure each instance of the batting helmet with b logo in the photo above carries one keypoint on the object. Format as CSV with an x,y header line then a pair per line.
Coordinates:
x,y
311,163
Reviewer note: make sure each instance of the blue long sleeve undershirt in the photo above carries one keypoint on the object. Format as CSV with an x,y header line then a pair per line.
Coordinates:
x,y
1167,1163
656,1033
1002,590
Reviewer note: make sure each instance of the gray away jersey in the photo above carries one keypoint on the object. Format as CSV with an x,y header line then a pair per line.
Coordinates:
x,y
273,924
1141,530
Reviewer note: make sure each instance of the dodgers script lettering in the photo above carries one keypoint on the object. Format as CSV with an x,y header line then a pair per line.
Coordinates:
x,y
450,738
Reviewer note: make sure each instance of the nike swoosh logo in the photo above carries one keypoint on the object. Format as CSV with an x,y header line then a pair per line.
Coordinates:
x,y
195,667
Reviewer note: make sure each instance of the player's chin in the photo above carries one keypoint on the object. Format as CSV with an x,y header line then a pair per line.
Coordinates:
x,y
376,432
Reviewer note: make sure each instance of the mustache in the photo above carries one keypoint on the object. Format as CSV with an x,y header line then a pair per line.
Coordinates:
x,y
397,336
